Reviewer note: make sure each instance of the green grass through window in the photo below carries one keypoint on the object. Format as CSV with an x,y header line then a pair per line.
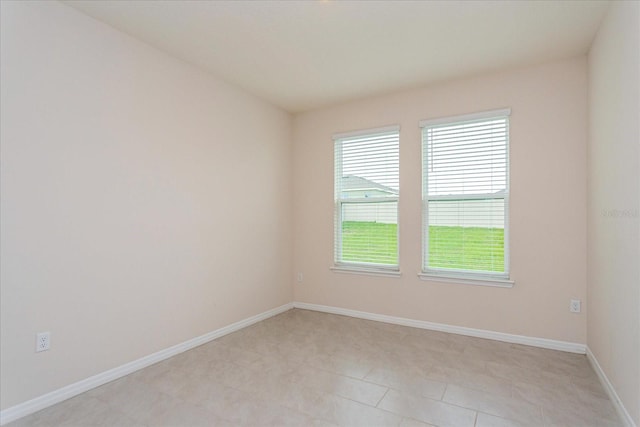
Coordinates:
x,y
373,242
468,248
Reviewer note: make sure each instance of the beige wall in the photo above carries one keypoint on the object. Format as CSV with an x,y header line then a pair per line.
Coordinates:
x,y
614,202
144,202
548,204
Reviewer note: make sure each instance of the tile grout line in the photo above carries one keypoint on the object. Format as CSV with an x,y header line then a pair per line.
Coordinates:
x,y
383,396
446,386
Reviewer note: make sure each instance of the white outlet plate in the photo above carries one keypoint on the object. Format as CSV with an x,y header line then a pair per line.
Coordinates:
x,y
574,306
43,341
300,277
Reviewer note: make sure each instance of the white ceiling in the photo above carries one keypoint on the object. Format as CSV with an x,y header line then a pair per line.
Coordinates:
x,y
302,55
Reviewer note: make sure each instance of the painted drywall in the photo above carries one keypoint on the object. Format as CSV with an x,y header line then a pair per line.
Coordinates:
x,y
614,202
144,202
548,204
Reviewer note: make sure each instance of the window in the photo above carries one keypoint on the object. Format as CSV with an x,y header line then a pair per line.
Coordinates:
x,y
366,199
466,197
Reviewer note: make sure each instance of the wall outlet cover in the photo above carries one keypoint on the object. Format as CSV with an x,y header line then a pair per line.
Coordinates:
x,y
575,306
43,341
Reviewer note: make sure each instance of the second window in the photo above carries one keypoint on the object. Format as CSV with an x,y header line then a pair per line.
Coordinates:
x,y
466,195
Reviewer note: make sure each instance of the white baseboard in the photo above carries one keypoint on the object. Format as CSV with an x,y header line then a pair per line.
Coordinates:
x,y
460,330
611,392
29,407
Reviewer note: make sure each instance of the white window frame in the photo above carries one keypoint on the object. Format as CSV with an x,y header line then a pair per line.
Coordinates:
x,y
352,266
501,279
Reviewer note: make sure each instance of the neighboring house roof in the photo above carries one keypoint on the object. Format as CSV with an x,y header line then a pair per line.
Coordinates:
x,y
354,182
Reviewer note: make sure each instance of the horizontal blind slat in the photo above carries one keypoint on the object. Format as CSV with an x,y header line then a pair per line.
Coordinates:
x,y
461,163
366,192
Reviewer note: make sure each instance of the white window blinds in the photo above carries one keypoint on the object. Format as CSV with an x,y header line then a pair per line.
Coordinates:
x,y
465,194
366,198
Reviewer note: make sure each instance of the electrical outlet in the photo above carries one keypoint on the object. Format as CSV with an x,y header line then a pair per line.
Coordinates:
x,y
43,341
300,277
574,306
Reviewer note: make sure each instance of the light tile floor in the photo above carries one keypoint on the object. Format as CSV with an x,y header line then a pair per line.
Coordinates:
x,y
304,368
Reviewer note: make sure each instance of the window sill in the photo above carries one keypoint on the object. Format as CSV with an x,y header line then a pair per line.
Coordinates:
x,y
369,271
468,280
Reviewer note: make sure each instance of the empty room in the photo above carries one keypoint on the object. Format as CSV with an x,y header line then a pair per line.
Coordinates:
x,y
320,213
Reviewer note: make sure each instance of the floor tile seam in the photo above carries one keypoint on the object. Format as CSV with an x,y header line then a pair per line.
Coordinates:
x,y
386,411
478,411
446,386
382,398
154,388
362,380
474,411
466,386
460,406
506,418
484,411
541,412
435,400
419,395
360,403
353,400
339,374
322,390
396,388
417,420
536,406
